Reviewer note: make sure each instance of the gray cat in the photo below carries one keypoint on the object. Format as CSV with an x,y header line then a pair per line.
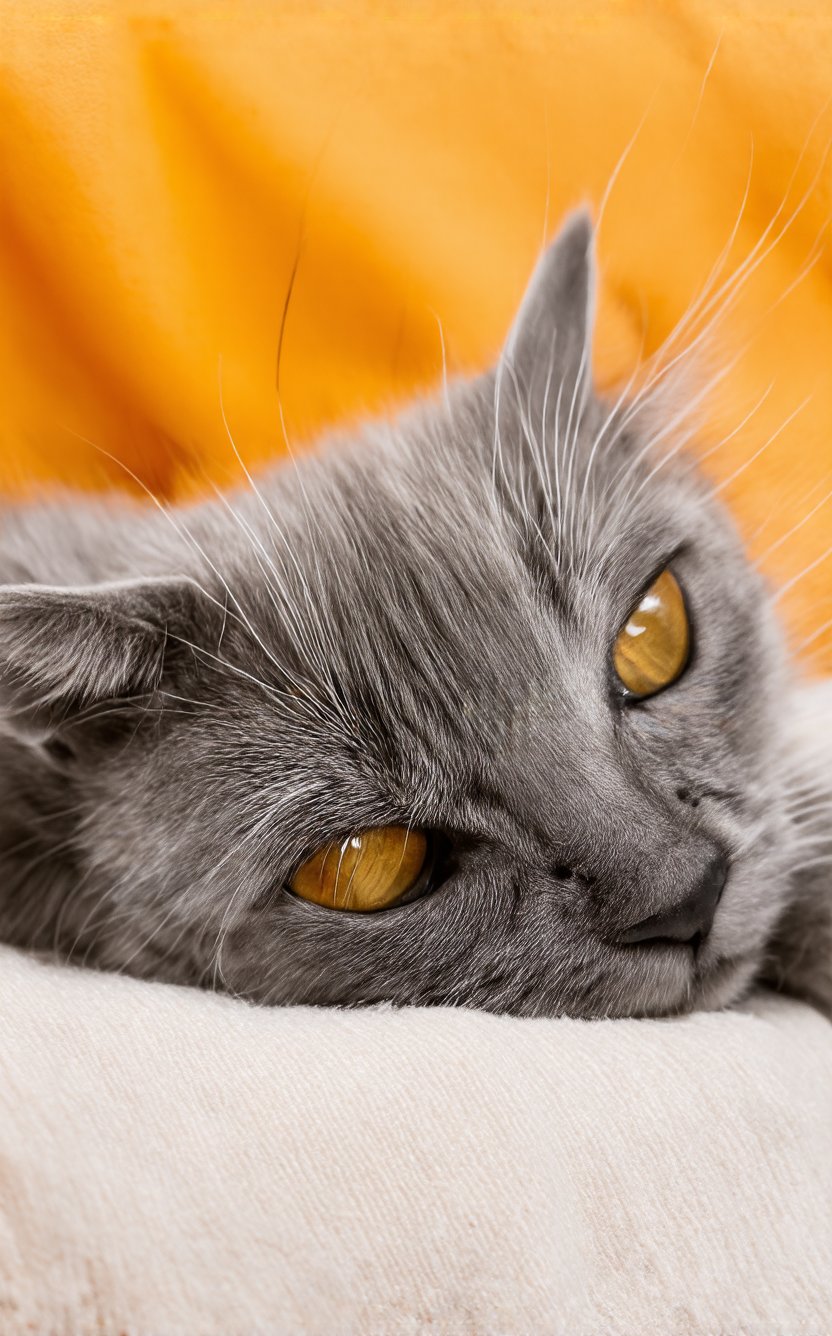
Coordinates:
x,y
485,707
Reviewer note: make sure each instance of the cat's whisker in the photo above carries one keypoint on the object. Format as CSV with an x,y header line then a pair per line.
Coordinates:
x,y
658,370
270,690
623,398
309,513
759,252
571,441
726,440
816,635
616,171
774,547
807,570
277,528
185,534
285,609
556,458
445,391
725,298
738,472
537,454
684,412
701,95
554,524
497,448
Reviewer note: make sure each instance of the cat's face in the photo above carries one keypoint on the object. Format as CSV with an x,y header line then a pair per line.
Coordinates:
x,y
421,633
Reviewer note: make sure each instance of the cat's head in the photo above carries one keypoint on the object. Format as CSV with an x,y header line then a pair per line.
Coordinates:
x,y
479,708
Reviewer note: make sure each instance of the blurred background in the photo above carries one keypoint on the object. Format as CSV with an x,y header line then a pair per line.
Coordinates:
x,y
171,170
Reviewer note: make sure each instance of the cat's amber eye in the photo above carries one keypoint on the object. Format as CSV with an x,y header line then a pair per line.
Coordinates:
x,y
371,870
653,645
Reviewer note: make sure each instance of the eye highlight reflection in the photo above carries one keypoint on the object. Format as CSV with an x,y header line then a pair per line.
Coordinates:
x,y
652,648
371,870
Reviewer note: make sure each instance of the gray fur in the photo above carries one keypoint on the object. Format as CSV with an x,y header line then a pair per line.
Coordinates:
x,y
412,626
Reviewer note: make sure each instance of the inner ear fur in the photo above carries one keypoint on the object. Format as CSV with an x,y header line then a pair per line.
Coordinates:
x,y
63,650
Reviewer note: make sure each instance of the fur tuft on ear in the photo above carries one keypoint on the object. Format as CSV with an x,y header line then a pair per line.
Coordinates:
x,y
64,649
550,343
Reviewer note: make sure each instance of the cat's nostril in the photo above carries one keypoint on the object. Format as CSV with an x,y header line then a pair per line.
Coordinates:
x,y
689,920
685,796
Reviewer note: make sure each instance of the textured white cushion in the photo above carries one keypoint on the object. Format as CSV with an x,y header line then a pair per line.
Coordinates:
x,y
176,1162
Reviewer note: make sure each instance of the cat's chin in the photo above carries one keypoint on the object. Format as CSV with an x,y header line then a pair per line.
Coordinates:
x,y
688,983
725,982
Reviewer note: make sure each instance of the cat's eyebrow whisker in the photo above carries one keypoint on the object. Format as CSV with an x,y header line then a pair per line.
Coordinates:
x,y
727,295
308,512
816,635
497,450
165,510
697,108
616,171
445,390
267,510
188,700
807,570
35,839
497,454
556,459
571,442
623,398
272,691
726,482
680,443
759,252
285,611
720,445
793,530
184,533
548,476
631,466
754,259
272,519
537,453
633,493
661,370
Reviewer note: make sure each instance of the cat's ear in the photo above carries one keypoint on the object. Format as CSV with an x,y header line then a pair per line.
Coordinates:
x,y
65,649
548,350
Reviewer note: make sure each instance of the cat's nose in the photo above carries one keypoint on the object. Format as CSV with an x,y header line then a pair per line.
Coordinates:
x,y
689,919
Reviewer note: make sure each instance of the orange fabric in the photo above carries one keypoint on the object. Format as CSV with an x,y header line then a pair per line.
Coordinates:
x,y
167,164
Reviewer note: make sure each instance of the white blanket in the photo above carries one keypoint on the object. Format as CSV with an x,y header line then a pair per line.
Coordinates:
x,y
173,1162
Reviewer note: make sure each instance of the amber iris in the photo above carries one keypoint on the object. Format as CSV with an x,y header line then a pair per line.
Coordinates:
x,y
370,870
652,647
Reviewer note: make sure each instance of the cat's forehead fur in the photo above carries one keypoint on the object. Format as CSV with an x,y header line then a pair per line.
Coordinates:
x,y
445,602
